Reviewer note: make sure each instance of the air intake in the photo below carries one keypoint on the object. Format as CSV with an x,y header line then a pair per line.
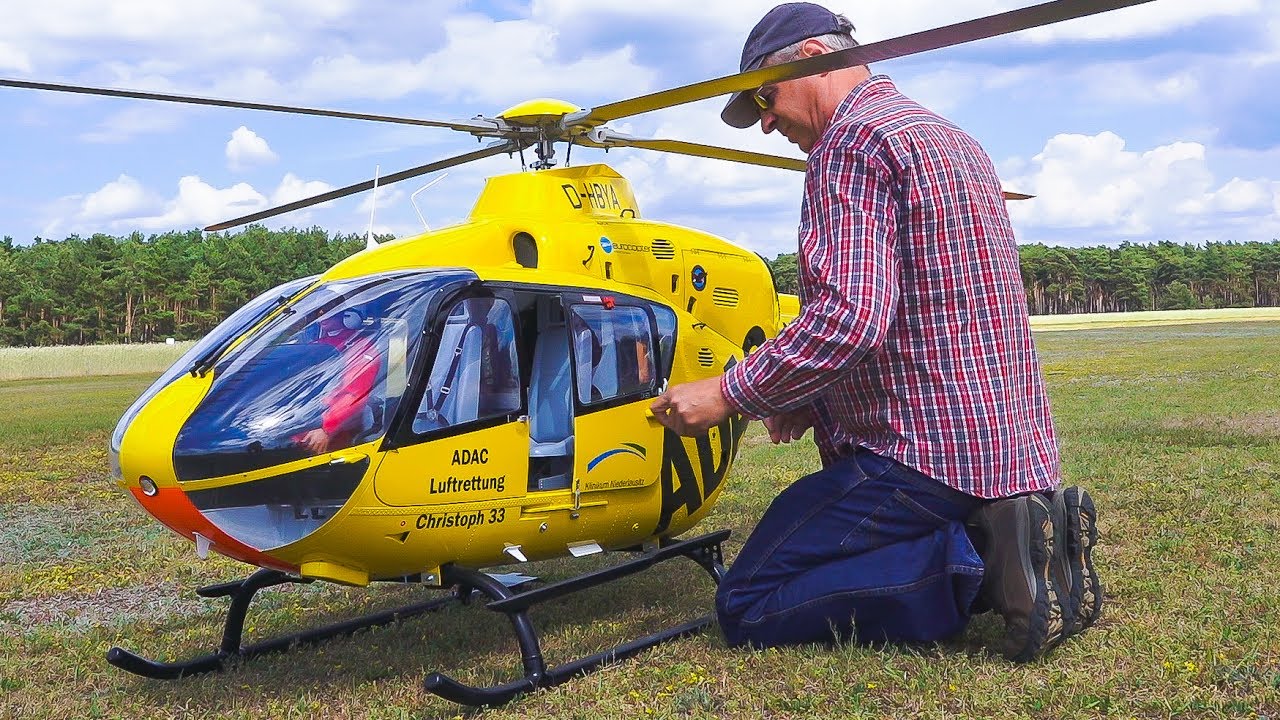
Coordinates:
x,y
725,297
664,250
706,358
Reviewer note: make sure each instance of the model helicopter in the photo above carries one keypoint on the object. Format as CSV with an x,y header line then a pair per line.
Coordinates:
x,y
475,396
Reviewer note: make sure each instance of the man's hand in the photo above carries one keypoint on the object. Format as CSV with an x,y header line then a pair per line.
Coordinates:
x,y
317,440
788,426
692,408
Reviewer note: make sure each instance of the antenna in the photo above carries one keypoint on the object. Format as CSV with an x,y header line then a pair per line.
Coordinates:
x,y
414,198
369,242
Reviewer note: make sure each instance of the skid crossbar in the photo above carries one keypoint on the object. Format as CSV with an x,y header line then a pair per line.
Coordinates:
x,y
704,550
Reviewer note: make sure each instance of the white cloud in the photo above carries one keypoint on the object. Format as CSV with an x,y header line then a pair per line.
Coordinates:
x,y
293,188
1167,192
482,71
121,197
14,58
125,125
881,20
53,30
199,203
1147,20
1237,196
246,148
386,197
124,205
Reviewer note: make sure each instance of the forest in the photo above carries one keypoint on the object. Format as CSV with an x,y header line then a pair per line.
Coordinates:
x,y
1163,276
107,289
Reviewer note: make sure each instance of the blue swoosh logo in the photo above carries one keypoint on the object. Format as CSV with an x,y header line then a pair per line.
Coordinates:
x,y
630,449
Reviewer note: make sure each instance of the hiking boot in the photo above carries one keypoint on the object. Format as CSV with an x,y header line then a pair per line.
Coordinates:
x,y
1023,580
1081,536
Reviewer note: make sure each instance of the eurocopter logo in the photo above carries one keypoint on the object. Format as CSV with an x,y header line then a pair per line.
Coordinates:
x,y
606,244
629,449
699,277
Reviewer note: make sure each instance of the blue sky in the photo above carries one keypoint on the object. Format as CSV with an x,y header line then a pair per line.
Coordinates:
x,y
1160,122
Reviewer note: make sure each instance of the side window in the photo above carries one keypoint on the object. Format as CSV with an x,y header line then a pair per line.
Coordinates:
x,y
476,373
666,338
613,352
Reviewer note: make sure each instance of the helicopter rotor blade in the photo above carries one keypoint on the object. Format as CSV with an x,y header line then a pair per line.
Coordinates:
x,y
478,126
506,146
604,138
947,36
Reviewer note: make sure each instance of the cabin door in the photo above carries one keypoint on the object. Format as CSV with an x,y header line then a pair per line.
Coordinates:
x,y
466,440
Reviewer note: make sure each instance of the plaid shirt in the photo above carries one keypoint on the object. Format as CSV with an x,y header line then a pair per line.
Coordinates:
x,y
913,338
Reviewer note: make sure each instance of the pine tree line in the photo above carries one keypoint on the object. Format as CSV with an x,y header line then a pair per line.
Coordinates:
x,y
1163,276
106,289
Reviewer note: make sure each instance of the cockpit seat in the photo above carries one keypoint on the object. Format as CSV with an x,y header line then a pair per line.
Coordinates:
x,y
551,405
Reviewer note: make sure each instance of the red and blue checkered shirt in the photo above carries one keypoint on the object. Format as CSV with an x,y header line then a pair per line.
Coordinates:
x,y
913,338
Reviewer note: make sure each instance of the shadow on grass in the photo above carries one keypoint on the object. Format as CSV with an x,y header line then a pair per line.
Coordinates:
x,y
468,642
1168,439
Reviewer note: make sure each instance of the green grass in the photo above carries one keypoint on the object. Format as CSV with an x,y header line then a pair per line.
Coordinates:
x,y
1175,430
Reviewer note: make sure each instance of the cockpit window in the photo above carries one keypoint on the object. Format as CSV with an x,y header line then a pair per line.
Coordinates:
x,y
227,330
324,374
476,372
613,352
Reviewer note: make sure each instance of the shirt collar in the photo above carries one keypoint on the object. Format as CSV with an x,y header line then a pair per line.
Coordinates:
x,y
860,94
874,85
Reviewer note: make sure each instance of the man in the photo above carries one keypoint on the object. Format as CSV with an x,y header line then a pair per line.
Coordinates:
x,y
912,360
347,412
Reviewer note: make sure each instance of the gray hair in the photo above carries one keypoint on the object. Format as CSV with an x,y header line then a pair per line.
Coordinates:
x,y
839,40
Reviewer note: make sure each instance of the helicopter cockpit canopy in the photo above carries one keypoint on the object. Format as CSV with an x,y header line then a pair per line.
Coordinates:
x,y
325,374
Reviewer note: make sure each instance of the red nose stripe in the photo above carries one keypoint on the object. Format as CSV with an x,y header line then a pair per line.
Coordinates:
x,y
172,507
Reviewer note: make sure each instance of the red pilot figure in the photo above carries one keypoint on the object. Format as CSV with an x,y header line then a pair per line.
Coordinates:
x,y
348,410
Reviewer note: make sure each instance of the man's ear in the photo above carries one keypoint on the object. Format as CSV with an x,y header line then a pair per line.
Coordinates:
x,y
812,47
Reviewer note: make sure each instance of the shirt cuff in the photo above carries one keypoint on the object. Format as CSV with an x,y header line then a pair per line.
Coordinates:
x,y
735,385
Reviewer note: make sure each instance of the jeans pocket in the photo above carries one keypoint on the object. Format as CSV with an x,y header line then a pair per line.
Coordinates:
x,y
897,518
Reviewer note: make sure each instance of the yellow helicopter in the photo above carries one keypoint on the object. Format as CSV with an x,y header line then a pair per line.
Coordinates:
x,y
475,396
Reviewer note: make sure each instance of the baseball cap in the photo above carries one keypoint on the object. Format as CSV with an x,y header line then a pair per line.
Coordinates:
x,y
784,25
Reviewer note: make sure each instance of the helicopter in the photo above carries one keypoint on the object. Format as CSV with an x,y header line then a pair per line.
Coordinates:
x,y
476,396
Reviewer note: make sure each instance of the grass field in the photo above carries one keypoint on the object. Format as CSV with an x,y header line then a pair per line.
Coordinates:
x,y
26,363
1175,430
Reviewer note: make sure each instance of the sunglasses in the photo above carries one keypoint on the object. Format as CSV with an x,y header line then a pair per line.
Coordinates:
x,y
764,97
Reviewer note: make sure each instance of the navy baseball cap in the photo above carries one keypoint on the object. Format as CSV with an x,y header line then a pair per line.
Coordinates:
x,y
784,25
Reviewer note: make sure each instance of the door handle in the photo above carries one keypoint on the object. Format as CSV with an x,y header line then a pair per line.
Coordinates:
x,y
347,458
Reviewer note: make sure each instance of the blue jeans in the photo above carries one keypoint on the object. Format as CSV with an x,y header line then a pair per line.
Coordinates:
x,y
867,548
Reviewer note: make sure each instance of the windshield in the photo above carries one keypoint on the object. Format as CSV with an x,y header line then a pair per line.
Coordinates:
x,y
325,374
236,323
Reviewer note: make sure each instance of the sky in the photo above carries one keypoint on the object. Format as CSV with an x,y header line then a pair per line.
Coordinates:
x,y
1159,122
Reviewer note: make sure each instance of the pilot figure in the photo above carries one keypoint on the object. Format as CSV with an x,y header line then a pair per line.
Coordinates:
x,y
348,411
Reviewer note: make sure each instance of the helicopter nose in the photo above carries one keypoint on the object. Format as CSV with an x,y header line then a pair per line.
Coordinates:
x,y
172,507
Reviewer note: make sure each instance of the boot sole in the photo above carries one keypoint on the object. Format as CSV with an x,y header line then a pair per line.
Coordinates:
x,y
1043,535
1082,535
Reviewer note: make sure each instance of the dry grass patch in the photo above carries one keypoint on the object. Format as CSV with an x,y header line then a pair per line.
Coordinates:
x,y
24,363
104,606
1262,424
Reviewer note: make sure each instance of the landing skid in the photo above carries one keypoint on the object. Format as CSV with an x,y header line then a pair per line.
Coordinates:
x,y
467,583
241,594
